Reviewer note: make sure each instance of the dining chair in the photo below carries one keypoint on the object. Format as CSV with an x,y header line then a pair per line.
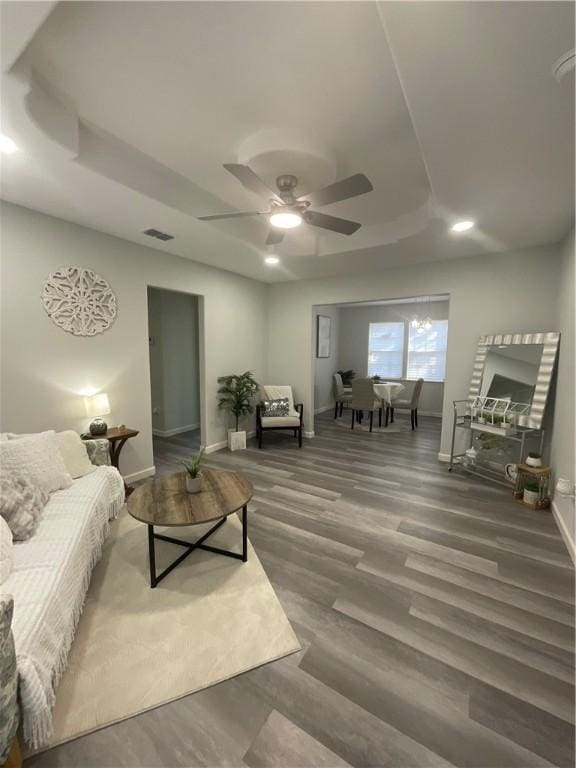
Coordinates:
x,y
342,395
408,404
365,399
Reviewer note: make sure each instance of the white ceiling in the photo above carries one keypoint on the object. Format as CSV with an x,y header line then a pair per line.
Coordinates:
x,y
125,112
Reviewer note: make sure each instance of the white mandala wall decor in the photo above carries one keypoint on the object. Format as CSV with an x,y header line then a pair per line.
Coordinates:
x,y
79,301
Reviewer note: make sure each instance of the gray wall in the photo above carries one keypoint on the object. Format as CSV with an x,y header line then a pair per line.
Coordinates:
x,y
174,361
502,292
326,367
562,455
354,327
44,368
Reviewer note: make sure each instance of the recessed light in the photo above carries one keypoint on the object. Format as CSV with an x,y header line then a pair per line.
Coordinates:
x,y
7,146
286,219
462,226
272,260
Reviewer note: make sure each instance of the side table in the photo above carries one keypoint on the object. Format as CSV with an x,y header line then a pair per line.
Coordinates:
x,y
116,436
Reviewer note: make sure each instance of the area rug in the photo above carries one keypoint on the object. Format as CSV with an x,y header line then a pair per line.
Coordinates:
x,y
135,648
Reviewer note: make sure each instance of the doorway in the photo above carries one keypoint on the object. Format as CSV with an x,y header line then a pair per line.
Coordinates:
x,y
396,342
175,381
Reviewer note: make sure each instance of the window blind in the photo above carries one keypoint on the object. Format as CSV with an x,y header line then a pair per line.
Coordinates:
x,y
427,352
386,350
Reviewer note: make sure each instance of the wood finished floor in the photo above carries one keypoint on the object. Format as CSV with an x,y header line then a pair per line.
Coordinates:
x,y
436,618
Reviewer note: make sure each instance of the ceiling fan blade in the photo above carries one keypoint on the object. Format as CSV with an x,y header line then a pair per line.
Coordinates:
x,y
333,223
248,179
231,215
340,190
275,236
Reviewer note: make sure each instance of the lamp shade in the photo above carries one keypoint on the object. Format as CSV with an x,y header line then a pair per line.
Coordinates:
x,y
97,405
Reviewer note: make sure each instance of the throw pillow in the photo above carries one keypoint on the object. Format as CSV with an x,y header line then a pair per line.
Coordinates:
x,y
39,456
280,407
276,391
6,554
9,677
98,452
74,453
21,503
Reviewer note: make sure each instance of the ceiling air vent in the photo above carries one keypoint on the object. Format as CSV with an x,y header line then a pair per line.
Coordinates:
x,y
158,235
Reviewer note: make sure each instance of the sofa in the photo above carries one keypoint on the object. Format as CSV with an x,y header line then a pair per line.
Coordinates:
x,y
48,581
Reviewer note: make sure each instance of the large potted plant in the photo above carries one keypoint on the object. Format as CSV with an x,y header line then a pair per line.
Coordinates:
x,y
236,393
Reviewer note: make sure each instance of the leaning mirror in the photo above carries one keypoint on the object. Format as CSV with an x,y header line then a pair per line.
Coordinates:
x,y
511,377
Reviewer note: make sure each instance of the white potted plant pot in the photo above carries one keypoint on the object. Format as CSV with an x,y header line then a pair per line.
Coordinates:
x,y
194,484
530,497
236,440
534,460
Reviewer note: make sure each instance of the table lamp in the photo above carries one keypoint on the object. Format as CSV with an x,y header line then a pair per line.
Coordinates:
x,y
96,407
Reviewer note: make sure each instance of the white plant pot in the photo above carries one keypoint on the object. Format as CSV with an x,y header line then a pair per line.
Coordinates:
x,y
532,462
530,497
194,484
236,440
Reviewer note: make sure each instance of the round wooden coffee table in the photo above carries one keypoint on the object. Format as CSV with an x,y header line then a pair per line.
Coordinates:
x,y
164,501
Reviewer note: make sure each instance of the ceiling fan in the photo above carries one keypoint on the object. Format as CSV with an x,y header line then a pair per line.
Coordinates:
x,y
288,211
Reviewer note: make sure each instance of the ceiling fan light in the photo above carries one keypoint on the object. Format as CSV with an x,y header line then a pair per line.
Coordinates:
x,y
285,219
462,226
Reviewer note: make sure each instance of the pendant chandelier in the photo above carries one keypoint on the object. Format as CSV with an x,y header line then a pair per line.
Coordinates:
x,y
421,324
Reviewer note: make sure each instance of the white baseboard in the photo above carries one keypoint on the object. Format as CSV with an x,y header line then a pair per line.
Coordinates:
x,y
564,532
177,431
141,475
444,457
213,447
308,434
323,409
430,413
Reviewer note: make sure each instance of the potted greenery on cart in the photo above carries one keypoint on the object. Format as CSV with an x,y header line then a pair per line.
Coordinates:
x,y
236,393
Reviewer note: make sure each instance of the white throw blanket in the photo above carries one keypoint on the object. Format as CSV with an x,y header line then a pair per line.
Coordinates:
x,y
49,581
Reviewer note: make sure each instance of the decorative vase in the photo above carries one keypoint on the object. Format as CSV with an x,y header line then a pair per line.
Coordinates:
x,y
98,427
534,461
194,484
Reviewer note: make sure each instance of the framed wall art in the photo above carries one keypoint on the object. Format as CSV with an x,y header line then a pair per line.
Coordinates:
x,y
323,331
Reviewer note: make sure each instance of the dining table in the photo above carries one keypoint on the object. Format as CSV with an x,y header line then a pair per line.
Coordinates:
x,y
387,390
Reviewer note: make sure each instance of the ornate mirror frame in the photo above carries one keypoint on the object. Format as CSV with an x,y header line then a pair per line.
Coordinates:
x,y
550,341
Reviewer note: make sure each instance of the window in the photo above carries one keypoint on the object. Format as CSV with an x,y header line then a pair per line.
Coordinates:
x,y
397,350
386,350
427,352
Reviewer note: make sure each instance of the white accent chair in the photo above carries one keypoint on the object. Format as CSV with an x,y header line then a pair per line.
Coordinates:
x,y
294,421
364,399
342,395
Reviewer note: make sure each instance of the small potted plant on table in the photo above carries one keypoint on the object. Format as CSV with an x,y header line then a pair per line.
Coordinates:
x,y
193,473
531,493
534,459
236,393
